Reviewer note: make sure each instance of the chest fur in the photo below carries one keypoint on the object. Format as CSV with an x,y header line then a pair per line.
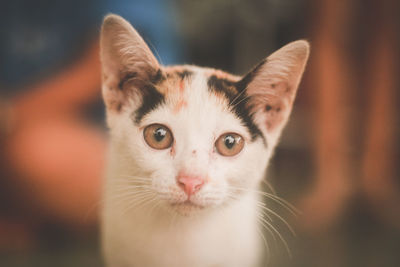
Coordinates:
x,y
225,238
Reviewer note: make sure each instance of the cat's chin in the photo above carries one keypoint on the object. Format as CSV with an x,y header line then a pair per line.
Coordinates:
x,y
187,208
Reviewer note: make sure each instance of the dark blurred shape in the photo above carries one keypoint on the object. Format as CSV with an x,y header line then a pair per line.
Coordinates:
x,y
380,172
39,38
234,35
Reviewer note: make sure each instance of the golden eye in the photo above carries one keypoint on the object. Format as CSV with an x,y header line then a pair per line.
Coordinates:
x,y
158,136
229,144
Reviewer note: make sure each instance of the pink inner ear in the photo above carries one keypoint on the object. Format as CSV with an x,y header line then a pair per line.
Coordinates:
x,y
273,101
275,115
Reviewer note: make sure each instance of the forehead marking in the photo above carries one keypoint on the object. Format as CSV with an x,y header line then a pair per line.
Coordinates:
x,y
153,90
234,92
151,96
181,87
172,152
181,102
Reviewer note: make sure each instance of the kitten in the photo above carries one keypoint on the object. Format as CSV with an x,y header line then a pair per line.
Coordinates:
x,y
189,148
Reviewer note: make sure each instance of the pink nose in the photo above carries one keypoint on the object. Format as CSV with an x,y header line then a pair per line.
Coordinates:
x,y
190,184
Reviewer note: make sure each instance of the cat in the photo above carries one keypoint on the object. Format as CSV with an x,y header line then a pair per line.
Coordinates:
x,y
189,147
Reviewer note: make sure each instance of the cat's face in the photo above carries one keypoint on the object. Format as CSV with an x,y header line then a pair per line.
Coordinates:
x,y
192,145
198,137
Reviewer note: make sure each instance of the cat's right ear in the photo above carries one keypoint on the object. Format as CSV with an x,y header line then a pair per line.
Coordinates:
x,y
125,58
272,86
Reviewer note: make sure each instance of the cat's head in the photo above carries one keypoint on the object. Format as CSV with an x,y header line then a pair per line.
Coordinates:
x,y
196,137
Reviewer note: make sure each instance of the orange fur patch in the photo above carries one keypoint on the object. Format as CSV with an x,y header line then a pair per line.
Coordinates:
x,y
181,86
173,151
181,104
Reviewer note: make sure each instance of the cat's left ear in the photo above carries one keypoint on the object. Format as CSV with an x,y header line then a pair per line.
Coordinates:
x,y
273,83
124,55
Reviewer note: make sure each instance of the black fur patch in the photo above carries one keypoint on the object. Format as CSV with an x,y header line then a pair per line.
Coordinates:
x,y
158,77
242,110
238,100
184,74
223,86
151,99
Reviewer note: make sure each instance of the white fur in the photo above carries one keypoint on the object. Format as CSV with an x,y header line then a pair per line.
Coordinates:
x,y
225,233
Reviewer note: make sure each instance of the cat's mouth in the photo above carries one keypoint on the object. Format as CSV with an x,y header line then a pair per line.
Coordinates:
x,y
187,207
187,203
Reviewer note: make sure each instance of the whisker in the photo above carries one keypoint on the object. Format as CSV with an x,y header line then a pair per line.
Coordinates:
x,y
137,204
293,210
129,178
271,227
265,241
267,225
236,97
130,185
258,204
269,186
263,216
131,201
134,176
263,206
126,193
241,100
130,188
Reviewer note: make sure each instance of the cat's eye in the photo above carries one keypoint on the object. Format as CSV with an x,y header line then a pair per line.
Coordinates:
x,y
158,136
229,144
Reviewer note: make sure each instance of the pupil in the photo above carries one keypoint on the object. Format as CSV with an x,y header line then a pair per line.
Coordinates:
x,y
229,141
159,134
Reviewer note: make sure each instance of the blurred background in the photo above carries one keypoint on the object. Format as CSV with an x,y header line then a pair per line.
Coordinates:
x,y
336,161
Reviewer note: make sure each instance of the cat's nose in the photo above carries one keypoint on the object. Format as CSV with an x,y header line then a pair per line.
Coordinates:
x,y
190,184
